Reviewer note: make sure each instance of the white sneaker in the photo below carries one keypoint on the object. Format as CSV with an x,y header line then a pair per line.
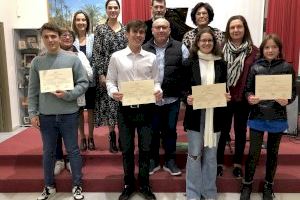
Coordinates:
x,y
59,167
68,166
77,193
47,193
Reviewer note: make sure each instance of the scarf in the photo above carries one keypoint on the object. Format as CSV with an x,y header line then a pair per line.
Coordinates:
x,y
235,65
207,70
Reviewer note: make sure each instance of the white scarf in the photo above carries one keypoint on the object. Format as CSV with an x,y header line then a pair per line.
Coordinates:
x,y
207,71
235,63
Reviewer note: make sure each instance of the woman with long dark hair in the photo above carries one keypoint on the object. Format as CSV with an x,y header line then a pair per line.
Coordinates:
x,y
109,38
84,42
205,66
240,54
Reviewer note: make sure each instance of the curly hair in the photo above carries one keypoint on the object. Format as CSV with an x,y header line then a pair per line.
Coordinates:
x,y
209,9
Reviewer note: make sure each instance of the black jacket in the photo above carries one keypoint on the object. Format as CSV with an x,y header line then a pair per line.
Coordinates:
x,y
192,117
172,84
269,109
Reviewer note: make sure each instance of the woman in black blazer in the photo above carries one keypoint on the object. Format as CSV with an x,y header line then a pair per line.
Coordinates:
x,y
204,67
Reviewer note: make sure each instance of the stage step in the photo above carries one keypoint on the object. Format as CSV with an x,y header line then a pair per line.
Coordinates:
x,y
21,167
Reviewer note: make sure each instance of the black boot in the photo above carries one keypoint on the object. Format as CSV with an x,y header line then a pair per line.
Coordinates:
x,y
112,142
246,191
268,191
120,146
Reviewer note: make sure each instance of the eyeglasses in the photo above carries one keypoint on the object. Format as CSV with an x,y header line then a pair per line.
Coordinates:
x,y
206,41
161,27
202,13
65,35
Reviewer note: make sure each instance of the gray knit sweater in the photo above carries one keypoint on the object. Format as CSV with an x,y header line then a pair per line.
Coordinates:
x,y
48,103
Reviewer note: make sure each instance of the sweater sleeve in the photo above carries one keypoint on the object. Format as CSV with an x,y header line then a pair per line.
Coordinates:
x,y
80,81
33,89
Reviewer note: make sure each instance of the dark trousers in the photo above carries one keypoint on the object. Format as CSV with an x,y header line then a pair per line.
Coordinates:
x,y
59,151
129,120
239,111
256,139
164,126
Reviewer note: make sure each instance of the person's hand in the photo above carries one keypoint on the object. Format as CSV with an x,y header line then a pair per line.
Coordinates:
x,y
253,99
102,80
282,102
35,122
190,100
59,93
227,96
117,96
158,96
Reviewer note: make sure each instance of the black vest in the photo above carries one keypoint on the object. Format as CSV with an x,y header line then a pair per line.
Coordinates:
x,y
173,70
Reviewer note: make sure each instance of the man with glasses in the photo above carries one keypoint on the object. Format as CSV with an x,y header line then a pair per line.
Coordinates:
x,y
170,55
57,112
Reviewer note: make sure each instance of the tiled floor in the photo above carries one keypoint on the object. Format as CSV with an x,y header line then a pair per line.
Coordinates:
x,y
160,196
114,196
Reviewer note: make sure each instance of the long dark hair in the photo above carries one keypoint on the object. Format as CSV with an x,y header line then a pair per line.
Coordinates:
x,y
194,50
87,21
107,2
247,35
277,41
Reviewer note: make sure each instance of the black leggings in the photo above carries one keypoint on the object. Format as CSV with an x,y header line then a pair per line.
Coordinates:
x,y
256,139
240,111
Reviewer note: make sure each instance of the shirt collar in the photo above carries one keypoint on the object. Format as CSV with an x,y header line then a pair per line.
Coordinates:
x,y
164,46
129,52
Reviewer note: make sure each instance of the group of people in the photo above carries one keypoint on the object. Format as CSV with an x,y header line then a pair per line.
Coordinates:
x,y
116,53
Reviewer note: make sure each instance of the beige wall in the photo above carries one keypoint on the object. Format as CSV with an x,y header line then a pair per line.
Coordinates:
x,y
19,14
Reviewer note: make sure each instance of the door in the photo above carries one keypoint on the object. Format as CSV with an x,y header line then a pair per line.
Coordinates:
x,y
5,111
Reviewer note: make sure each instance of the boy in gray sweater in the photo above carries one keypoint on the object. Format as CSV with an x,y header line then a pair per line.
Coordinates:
x,y
57,112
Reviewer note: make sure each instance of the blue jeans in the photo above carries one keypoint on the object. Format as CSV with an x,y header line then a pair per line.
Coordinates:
x,y
201,168
59,149
66,125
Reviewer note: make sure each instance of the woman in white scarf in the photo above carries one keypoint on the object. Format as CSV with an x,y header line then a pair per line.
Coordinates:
x,y
205,66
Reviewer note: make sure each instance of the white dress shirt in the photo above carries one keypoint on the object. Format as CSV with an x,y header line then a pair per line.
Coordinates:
x,y
124,65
